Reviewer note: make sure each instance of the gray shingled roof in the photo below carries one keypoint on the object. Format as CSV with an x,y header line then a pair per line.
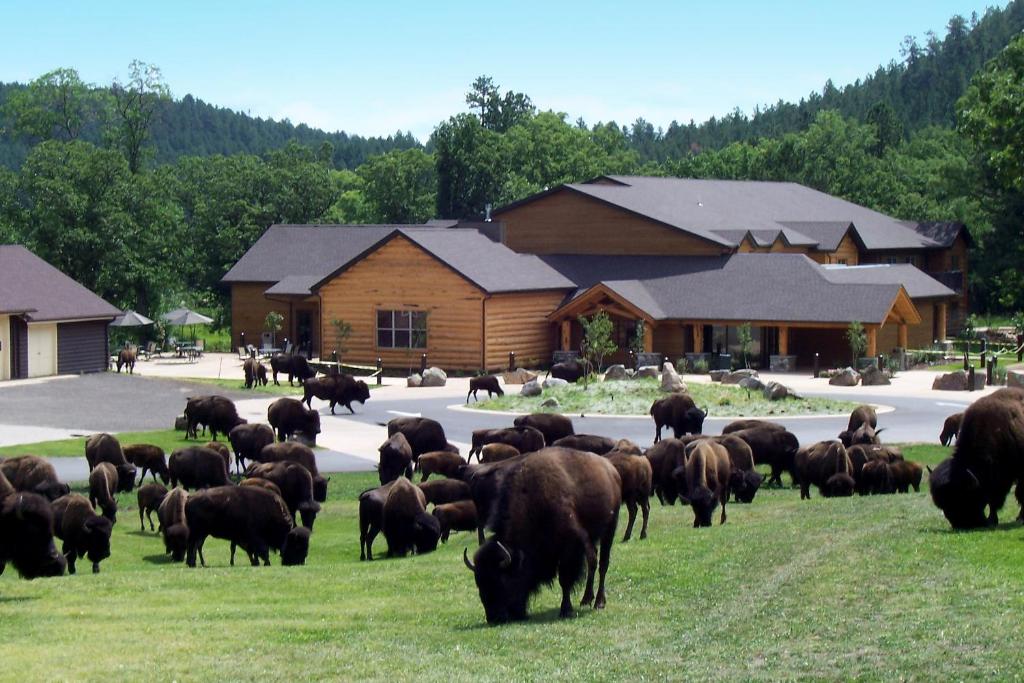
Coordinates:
x,y
709,208
740,287
919,285
943,233
31,286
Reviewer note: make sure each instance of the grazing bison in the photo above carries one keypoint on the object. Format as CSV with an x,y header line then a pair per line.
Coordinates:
x,y
32,474
704,478
287,416
293,365
292,451
295,484
262,483
247,440
216,413
442,491
405,523
148,458
863,435
457,516
255,373
740,425
85,534
395,459
196,467
106,448
338,389
26,534
221,448
102,487
951,428
485,484
679,412
827,466
665,456
126,359
423,434
371,518
635,475
552,425
149,497
906,474
523,439
556,513
488,383
591,443
875,478
987,461
744,480
571,371
173,524
774,447
495,452
445,463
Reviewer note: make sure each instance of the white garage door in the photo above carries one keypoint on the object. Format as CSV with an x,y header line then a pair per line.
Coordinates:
x,y
42,350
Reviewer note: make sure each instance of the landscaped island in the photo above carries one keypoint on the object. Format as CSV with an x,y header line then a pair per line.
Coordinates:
x,y
635,397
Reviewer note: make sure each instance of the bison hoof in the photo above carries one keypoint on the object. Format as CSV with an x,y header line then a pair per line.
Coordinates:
x,y
587,599
599,603
96,568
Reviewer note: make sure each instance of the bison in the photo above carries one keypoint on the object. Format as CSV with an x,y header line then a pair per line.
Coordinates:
x,y
445,463
293,365
488,383
405,523
571,371
296,488
744,480
149,498
556,513
222,449
173,524
148,458
423,434
32,474
552,425
523,439
106,448
665,456
705,479
442,491
216,413
827,466
126,359
740,425
635,474
292,451
485,484
371,518
951,428
774,447
250,517
247,440
26,534
457,516
102,487
679,412
592,443
495,452
395,459
875,478
85,534
196,467
255,373
287,416
338,389
905,474
862,415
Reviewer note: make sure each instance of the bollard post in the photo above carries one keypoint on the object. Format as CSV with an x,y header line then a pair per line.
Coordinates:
x,y
334,359
990,372
511,361
241,339
881,361
423,363
817,359
380,371
970,378
984,350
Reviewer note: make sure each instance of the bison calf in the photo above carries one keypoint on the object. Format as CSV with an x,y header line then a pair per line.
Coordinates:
x,y
457,516
445,463
173,525
85,534
827,466
635,473
148,458
406,524
149,497
102,487
488,383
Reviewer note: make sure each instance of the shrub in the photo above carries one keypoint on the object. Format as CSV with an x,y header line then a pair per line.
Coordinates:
x,y
700,367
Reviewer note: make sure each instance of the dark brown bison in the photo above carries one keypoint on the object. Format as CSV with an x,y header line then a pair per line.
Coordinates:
x,y
442,491
704,479
255,373
457,516
26,534
149,498
665,456
552,425
635,474
288,416
556,513
32,474
865,434
591,443
740,425
495,452
445,463
216,413
827,466
338,389
292,451
571,371
251,517
85,534
523,439
395,459
862,415
988,459
679,412
875,478
423,434
950,428
405,523
102,487
196,467
262,483
173,524
774,447
293,365
296,486
485,484
222,449
371,518
906,474
247,440
106,448
148,458
744,480
488,383
126,359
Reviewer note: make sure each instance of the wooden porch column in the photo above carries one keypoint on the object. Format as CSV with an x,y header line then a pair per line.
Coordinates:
x,y
940,317
783,341
566,335
648,337
872,333
901,336
698,338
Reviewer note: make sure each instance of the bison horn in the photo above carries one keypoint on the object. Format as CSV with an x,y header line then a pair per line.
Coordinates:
x,y
927,467
973,477
507,561
465,558
705,412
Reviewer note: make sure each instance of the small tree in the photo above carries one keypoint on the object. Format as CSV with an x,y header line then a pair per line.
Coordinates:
x,y
746,342
597,340
272,323
636,343
857,338
342,331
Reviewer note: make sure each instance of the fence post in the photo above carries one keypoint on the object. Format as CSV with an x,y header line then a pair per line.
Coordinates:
x,y
380,371
511,361
817,359
970,378
423,363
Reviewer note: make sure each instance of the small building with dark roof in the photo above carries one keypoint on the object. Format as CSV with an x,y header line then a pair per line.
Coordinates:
x,y
49,324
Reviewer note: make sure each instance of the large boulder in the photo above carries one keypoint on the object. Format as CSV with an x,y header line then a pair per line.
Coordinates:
x,y
717,375
773,391
670,379
552,382
531,388
519,376
434,377
751,384
873,377
951,381
414,380
616,373
647,371
737,375
180,423
847,377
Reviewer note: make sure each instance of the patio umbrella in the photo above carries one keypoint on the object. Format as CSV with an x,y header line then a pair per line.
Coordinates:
x,y
130,319
185,316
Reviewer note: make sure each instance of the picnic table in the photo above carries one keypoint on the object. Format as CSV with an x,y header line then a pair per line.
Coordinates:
x,y
190,351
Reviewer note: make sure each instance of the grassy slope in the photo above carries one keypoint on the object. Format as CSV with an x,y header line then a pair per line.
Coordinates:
x,y
168,439
875,587
636,397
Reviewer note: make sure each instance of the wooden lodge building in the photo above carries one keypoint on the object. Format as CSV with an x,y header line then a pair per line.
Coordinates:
x,y
692,259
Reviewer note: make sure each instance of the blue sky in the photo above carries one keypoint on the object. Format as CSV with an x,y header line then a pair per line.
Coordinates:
x,y
376,67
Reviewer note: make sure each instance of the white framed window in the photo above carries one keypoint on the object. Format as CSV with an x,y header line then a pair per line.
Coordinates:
x,y
401,329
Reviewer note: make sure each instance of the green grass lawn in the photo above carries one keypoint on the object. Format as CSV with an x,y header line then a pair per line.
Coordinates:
x,y
636,396
167,439
239,385
1004,360
877,588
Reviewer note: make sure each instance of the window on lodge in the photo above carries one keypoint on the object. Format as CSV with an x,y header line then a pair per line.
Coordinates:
x,y
402,329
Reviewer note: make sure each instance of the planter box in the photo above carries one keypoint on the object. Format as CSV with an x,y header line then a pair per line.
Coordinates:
x,y
693,358
777,363
645,358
